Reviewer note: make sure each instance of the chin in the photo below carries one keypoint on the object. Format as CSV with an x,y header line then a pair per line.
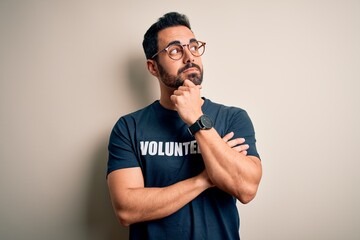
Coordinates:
x,y
195,78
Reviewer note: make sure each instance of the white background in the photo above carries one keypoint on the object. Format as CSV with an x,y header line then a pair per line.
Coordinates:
x,y
70,69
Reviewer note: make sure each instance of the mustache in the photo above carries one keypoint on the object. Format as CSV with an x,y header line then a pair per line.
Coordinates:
x,y
189,65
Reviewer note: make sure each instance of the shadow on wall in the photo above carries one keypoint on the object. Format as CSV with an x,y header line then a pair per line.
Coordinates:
x,y
101,220
141,83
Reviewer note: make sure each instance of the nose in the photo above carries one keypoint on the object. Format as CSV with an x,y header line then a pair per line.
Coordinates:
x,y
188,57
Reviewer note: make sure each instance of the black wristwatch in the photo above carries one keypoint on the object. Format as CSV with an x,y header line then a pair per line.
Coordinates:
x,y
203,123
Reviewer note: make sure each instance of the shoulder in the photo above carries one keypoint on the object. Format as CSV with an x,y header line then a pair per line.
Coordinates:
x,y
145,110
138,114
211,106
228,115
130,120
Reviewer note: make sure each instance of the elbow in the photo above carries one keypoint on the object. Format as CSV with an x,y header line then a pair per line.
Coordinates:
x,y
124,223
123,218
248,195
246,198
249,189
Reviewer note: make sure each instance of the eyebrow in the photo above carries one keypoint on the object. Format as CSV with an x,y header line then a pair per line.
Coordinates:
x,y
178,42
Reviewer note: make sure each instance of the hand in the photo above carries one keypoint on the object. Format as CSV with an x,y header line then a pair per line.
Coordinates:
x,y
188,102
205,177
236,144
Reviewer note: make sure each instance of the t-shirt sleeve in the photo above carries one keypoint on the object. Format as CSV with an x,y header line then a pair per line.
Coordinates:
x,y
121,147
242,126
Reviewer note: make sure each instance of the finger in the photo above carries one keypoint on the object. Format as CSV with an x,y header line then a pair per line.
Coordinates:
x,y
244,147
228,136
241,148
176,92
179,92
232,143
173,98
183,88
237,148
244,153
235,142
188,83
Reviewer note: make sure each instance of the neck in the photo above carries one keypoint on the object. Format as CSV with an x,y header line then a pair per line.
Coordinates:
x,y
165,100
165,94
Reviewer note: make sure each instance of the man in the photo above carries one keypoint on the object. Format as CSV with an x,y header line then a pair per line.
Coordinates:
x,y
177,166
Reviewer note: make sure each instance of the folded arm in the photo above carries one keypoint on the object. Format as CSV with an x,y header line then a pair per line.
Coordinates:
x,y
135,203
231,171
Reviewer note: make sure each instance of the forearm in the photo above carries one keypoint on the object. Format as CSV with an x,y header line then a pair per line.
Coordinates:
x,y
228,169
140,204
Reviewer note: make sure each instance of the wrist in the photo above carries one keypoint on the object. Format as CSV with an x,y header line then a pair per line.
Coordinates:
x,y
194,118
202,181
204,122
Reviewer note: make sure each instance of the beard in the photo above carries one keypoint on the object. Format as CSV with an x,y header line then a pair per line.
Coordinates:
x,y
175,82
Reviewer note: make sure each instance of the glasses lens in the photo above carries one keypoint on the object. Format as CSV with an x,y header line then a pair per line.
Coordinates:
x,y
197,48
175,51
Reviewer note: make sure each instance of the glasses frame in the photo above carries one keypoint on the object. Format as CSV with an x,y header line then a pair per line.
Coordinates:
x,y
201,43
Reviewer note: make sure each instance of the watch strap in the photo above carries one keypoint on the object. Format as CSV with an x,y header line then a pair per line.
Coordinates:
x,y
204,122
195,127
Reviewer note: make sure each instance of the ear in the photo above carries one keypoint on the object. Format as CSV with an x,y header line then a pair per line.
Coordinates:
x,y
152,67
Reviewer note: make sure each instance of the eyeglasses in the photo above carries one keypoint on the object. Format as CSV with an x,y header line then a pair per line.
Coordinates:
x,y
176,51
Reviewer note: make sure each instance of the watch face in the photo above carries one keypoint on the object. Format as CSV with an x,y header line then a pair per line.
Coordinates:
x,y
206,122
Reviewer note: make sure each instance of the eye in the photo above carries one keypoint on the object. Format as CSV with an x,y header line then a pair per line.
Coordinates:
x,y
194,47
175,50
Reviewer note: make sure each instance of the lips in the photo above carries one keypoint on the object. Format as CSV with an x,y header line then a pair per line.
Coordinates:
x,y
190,67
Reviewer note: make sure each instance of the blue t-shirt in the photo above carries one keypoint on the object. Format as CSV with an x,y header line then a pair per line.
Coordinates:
x,y
157,140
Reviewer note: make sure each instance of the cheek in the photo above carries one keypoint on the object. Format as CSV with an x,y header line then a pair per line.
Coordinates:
x,y
199,62
171,68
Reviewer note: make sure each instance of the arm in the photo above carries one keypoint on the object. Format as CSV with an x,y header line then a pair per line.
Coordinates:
x,y
231,171
135,203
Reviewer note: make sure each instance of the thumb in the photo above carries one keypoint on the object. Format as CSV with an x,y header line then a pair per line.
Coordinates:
x,y
189,83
